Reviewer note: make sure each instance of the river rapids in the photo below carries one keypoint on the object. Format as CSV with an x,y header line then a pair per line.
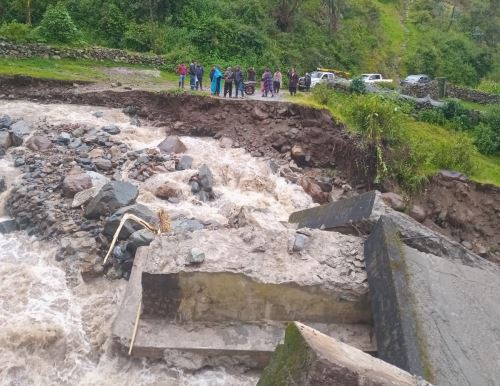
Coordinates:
x,y
56,332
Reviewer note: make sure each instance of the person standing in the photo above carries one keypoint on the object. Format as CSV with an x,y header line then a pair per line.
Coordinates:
x,y
228,82
251,74
293,82
238,80
267,78
211,74
182,71
192,75
216,77
277,79
307,81
199,76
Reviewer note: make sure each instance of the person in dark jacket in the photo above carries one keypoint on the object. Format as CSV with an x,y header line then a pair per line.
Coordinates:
x,y
293,81
199,76
192,75
238,82
307,81
211,74
228,82
251,74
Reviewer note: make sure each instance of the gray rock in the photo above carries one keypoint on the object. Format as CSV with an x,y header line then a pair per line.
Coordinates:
x,y
139,210
3,185
103,163
206,178
452,175
195,187
75,142
434,317
111,129
5,122
112,196
172,144
64,138
7,225
134,121
187,225
418,213
195,256
20,161
98,180
300,242
131,110
184,163
140,238
5,142
98,114
19,131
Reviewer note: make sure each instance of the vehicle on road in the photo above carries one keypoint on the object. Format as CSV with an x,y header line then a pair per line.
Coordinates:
x,y
374,78
317,77
417,79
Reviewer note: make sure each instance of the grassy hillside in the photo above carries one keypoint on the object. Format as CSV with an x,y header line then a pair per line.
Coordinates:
x,y
410,150
454,38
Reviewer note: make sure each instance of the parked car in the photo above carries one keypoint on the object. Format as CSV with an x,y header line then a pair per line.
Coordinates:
x,y
417,79
374,78
316,78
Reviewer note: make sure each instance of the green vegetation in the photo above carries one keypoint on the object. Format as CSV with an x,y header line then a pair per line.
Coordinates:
x,y
457,39
72,70
408,149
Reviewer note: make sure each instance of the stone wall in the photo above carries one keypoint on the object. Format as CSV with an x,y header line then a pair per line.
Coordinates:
x,y
12,50
452,91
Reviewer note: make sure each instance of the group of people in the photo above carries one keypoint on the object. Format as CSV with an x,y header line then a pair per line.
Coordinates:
x,y
270,84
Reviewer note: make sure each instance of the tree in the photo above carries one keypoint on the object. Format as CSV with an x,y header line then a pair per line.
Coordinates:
x,y
285,13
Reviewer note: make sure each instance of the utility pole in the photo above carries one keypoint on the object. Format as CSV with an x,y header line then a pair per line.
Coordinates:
x,y
28,12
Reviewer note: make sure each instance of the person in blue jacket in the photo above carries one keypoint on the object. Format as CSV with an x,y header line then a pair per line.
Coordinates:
x,y
217,76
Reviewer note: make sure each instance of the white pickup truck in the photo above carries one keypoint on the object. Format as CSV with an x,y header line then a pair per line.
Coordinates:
x,y
374,78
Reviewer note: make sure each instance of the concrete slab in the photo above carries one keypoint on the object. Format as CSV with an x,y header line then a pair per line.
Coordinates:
x,y
228,309
310,358
351,215
434,316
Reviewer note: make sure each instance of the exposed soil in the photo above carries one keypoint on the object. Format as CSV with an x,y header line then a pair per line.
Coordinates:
x,y
262,128
468,212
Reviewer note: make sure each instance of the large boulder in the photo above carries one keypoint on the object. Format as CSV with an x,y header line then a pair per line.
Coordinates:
x,y
168,190
5,122
140,238
5,142
184,163
172,144
19,131
112,196
139,210
206,178
74,183
310,358
39,143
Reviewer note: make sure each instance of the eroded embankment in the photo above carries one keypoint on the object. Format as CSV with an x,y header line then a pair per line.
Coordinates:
x,y
262,128
466,211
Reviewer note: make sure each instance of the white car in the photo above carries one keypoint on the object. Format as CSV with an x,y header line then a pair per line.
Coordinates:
x,y
374,78
321,77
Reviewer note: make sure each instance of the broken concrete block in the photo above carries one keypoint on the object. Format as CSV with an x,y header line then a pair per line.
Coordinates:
x,y
434,316
309,358
195,256
356,214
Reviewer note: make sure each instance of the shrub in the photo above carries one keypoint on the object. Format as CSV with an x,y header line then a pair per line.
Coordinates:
x,y
138,37
486,139
15,32
57,26
430,115
456,154
489,86
112,24
322,94
459,116
358,86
